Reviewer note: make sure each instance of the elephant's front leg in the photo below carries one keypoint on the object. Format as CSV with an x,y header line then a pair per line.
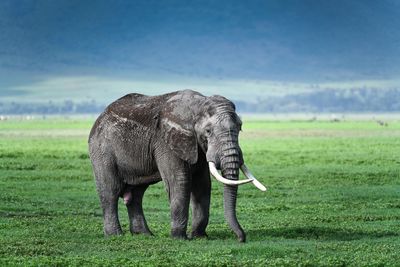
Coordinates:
x,y
200,198
177,179
179,198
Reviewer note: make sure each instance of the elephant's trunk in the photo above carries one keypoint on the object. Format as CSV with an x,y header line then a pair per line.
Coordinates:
x,y
230,163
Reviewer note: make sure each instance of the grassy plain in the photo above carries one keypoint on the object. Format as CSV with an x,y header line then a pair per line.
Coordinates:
x,y
333,199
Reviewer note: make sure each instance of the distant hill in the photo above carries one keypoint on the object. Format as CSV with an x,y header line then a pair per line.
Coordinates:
x,y
58,56
295,41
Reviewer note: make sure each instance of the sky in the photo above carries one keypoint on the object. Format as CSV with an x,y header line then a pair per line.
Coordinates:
x,y
52,49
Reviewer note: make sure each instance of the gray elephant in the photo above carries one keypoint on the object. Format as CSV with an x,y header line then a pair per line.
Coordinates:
x,y
179,138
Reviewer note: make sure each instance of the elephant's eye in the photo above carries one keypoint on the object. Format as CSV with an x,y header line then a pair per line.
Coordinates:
x,y
208,132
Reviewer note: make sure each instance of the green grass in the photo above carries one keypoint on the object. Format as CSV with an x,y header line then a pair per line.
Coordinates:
x,y
333,199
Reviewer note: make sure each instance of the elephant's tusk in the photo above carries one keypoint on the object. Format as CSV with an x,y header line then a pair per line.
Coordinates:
x,y
252,178
223,180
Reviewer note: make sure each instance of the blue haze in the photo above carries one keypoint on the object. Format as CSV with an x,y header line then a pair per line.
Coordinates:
x,y
289,41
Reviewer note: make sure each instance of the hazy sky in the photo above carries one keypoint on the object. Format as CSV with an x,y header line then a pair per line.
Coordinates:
x,y
45,41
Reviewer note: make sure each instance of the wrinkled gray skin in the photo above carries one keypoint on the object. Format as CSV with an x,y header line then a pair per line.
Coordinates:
x,y
140,140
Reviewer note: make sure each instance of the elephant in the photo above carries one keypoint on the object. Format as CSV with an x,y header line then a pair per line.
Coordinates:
x,y
178,138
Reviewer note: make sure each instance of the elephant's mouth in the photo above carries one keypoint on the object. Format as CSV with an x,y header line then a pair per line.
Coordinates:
x,y
246,172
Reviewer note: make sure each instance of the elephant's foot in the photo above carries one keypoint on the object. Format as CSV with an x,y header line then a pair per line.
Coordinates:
x,y
111,231
138,225
137,230
179,234
196,234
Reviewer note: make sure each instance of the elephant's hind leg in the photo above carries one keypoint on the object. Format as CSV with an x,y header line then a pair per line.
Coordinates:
x,y
137,220
110,216
109,188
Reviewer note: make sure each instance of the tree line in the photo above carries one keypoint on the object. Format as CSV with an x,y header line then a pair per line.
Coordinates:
x,y
328,100
50,107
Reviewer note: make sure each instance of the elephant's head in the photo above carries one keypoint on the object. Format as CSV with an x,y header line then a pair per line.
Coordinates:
x,y
191,121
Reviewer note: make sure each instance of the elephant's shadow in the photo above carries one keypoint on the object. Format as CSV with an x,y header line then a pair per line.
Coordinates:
x,y
305,233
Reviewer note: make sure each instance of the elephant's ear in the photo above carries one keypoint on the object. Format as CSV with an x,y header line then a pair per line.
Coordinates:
x,y
177,131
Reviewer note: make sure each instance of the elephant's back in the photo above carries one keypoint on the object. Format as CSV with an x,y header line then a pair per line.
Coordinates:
x,y
136,108
131,112
123,135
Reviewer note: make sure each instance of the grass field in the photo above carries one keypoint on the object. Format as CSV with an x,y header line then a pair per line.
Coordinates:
x,y
333,199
